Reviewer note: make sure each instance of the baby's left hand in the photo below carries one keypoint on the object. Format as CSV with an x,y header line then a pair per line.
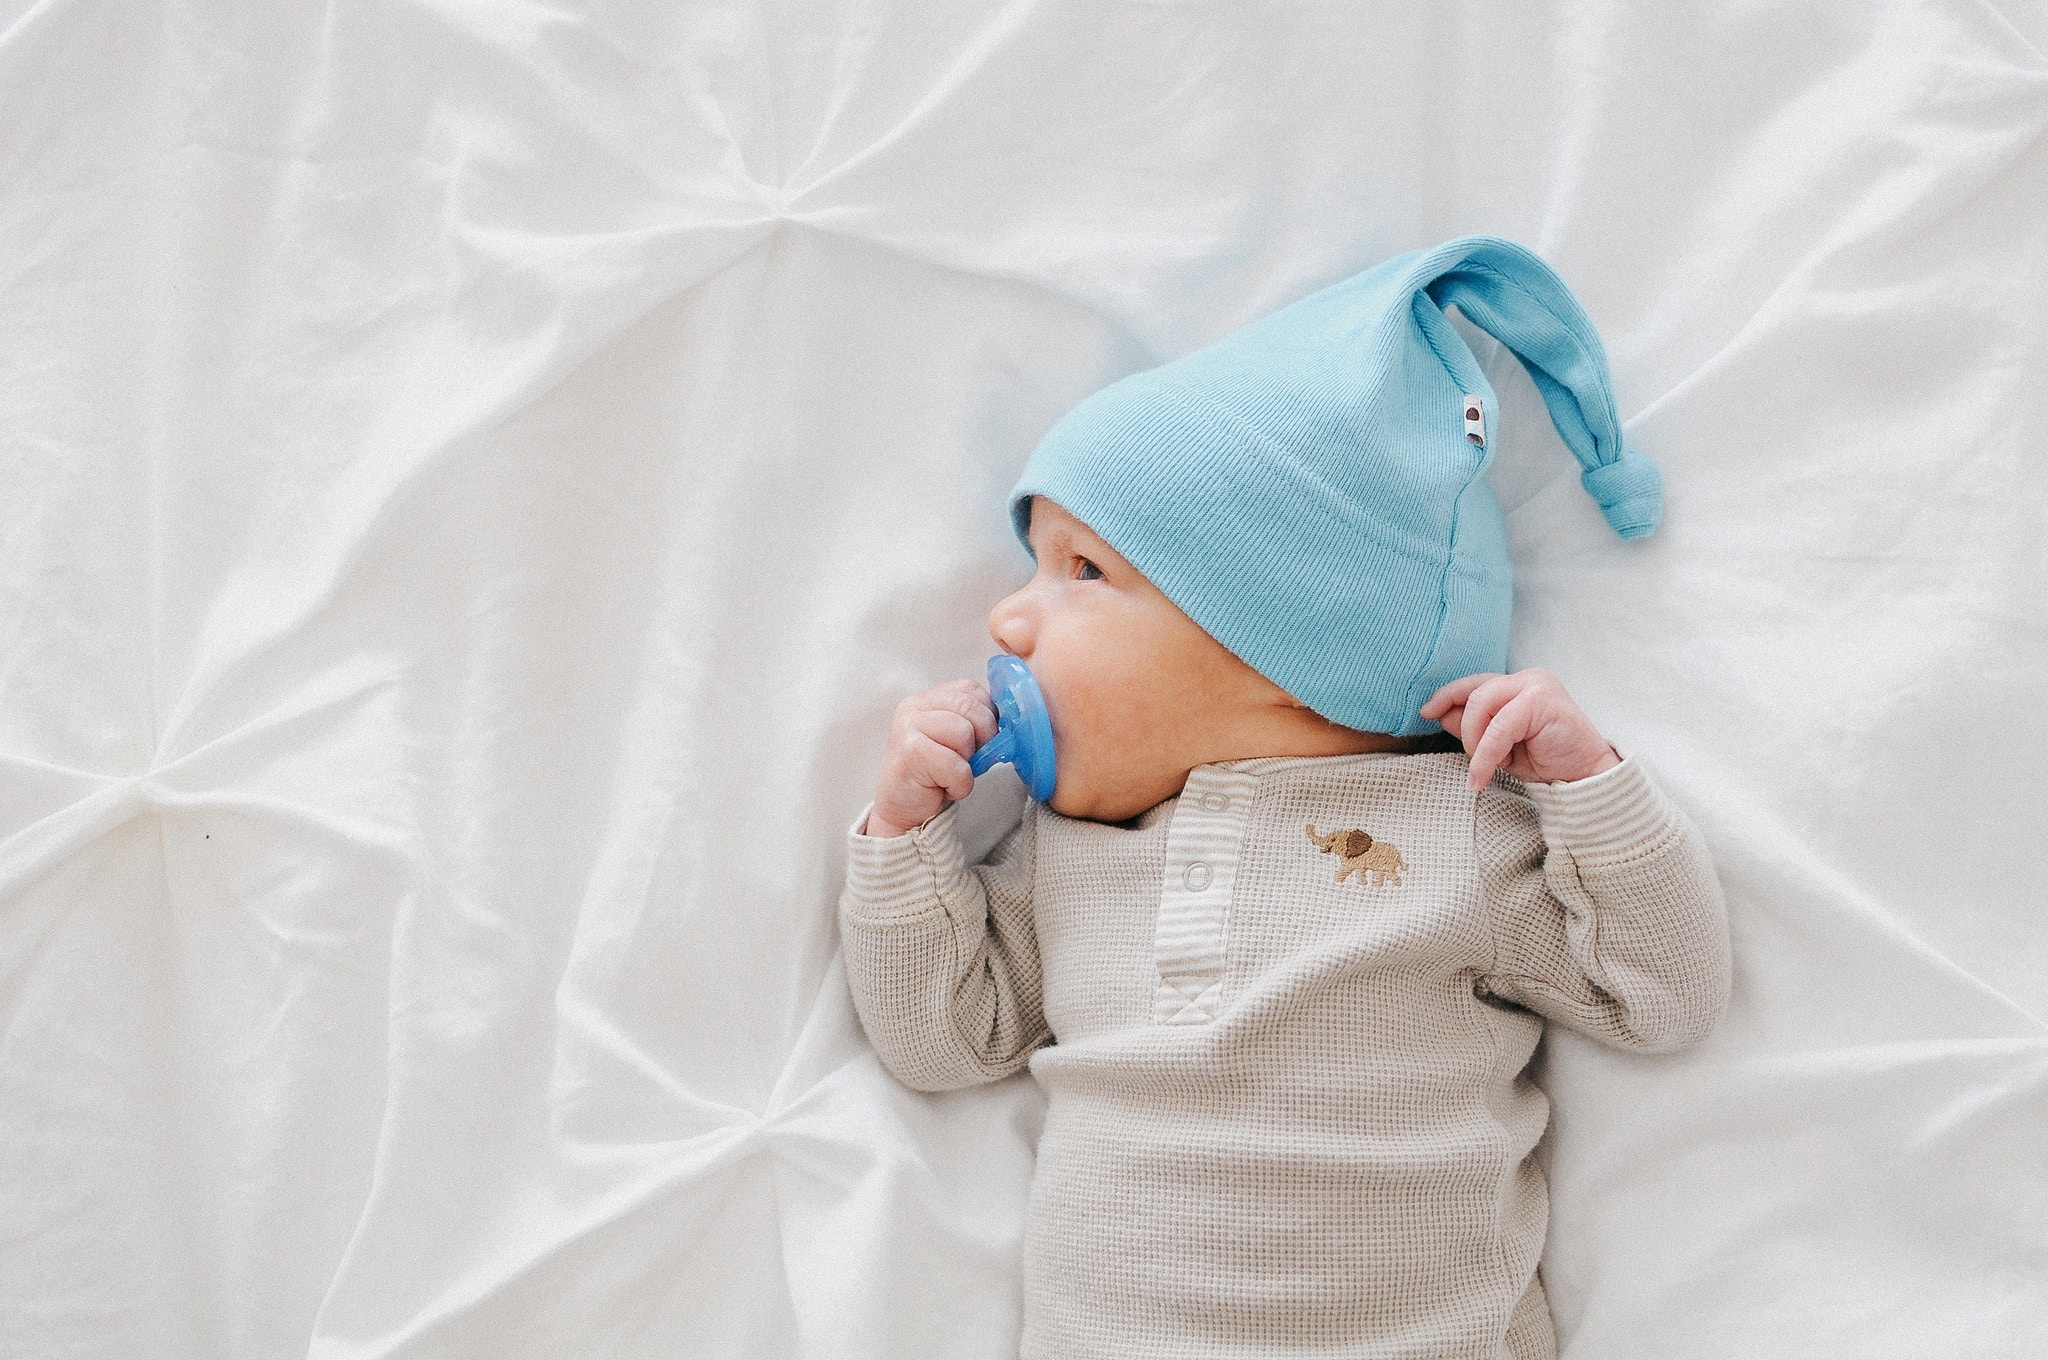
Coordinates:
x,y
1524,722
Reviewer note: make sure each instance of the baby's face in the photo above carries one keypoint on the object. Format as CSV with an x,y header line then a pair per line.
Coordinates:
x,y
1138,693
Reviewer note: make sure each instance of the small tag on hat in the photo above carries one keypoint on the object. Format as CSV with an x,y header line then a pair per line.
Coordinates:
x,y
1475,420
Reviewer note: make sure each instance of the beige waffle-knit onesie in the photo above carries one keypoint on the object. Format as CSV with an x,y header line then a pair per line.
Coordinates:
x,y
1284,1063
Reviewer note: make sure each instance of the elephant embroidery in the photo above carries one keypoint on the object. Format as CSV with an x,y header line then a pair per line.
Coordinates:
x,y
1358,853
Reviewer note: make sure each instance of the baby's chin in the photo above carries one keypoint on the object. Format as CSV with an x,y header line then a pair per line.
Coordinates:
x,y
1076,795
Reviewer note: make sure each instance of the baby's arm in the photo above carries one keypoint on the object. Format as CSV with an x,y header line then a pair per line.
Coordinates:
x,y
1607,916
942,958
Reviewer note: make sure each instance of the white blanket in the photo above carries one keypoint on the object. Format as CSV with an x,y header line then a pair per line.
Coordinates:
x,y
476,478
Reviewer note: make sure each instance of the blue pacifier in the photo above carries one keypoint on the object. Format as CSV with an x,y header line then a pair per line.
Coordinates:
x,y
1023,736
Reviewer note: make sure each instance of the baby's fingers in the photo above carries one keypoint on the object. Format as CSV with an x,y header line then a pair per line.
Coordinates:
x,y
938,766
1452,721
954,731
959,713
1506,728
1454,695
967,698
1491,695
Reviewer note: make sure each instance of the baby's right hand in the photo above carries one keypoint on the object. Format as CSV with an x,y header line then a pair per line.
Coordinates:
x,y
930,738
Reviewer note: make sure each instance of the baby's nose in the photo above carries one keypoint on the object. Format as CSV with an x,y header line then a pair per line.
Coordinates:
x,y
1009,623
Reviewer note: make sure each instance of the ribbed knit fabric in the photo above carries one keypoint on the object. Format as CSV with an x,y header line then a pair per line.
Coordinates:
x,y
1287,1112
1310,489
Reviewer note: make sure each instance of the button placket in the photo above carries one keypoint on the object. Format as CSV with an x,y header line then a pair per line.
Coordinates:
x,y
1203,845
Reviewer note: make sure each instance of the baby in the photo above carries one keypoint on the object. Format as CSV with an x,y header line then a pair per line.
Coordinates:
x,y
1281,944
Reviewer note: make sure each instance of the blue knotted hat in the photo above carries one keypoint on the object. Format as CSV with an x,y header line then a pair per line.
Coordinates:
x,y
1311,488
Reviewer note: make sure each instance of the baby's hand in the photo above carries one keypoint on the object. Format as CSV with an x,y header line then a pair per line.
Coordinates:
x,y
1525,722
930,738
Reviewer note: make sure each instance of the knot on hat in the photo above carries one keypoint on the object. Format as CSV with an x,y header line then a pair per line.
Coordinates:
x,y
1630,491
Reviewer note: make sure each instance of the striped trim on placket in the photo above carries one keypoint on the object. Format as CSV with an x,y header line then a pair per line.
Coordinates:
x,y
1204,842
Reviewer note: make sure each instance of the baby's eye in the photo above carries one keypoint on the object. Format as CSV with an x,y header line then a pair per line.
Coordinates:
x,y
1088,570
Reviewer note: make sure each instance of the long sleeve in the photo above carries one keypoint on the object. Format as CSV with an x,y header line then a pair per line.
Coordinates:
x,y
942,958
1607,916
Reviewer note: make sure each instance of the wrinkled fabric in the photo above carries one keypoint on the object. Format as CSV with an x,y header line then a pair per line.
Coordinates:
x,y
476,479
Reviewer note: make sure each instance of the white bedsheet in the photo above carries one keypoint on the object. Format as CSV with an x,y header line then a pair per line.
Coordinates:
x,y
476,477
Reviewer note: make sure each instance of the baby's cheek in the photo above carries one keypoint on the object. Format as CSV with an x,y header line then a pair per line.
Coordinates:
x,y
1079,728
1088,706
1068,736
